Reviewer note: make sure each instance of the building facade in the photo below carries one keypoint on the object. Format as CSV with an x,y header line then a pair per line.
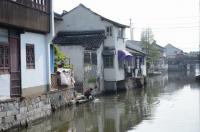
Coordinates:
x,y
25,35
83,19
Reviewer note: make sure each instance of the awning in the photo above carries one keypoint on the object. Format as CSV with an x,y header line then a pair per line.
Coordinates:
x,y
124,54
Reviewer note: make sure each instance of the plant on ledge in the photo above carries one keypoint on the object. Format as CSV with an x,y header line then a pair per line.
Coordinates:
x,y
92,80
61,59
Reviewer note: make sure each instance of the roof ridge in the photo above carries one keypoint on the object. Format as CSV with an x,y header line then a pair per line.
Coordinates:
x,y
103,18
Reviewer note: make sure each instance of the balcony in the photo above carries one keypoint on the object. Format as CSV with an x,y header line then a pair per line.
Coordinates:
x,y
30,15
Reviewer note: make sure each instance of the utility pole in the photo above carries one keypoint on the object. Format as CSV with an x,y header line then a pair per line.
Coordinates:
x,y
199,50
131,30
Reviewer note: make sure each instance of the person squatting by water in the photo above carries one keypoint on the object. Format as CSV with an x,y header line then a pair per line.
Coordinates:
x,y
88,94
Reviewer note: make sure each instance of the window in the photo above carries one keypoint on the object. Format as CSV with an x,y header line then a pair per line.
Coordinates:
x,y
94,58
4,51
87,58
36,4
120,33
90,57
108,61
30,56
4,58
3,35
109,31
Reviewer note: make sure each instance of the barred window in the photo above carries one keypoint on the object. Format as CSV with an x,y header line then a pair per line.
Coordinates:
x,y
4,58
4,51
109,31
41,5
30,56
108,61
90,57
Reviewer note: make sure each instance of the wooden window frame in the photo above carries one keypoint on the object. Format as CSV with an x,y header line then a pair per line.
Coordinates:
x,y
109,31
29,64
5,69
90,57
41,5
120,33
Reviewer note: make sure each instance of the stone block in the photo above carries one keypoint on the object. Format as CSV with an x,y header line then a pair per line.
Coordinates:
x,y
19,117
41,104
9,113
2,114
30,108
12,112
9,119
16,105
11,106
23,122
23,109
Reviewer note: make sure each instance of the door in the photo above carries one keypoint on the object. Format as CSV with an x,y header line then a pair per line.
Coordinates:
x,y
15,70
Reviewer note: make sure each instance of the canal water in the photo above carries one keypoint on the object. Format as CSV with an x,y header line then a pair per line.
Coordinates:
x,y
169,103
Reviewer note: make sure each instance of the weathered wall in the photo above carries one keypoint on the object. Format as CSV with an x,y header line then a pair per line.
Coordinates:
x,y
16,113
5,85
38,76
19,113
76,54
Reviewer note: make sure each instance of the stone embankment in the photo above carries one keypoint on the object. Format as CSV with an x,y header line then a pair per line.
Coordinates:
x,y
22,112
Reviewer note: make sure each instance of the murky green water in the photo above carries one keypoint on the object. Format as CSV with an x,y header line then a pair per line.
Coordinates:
x,y
170,103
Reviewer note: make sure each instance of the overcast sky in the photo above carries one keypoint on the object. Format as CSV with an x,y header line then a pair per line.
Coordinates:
x,y
172,21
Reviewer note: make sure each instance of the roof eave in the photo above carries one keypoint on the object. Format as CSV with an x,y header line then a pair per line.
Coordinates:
x,y
115,23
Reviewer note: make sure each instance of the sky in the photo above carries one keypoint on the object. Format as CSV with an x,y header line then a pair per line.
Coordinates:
x,y
172,21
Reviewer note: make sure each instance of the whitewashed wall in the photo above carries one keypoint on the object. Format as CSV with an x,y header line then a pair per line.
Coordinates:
x,y
38,76
79,19
5,85
119,45
76,54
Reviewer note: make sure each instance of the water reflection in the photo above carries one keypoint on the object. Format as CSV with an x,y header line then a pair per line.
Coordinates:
x,y
146,109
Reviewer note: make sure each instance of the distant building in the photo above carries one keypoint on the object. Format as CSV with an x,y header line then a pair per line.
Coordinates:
x,y
194,54
161,64
172,51
137,67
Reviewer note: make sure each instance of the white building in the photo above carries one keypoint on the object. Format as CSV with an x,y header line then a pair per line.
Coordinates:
x,y
25,39
172,51
81,19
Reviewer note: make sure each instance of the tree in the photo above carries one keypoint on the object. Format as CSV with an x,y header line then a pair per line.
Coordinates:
x,y
149,46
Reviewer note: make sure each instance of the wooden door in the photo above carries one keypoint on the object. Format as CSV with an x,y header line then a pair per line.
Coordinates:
x,y
15,70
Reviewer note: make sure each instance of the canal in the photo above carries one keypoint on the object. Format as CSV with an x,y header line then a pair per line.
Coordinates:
x,y
169,103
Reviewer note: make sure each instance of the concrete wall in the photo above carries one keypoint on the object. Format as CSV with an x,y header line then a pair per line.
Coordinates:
x,y
5,85
76,55
38,76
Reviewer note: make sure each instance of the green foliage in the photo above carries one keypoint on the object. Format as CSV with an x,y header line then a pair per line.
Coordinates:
x,y
60,58
92,80
149,46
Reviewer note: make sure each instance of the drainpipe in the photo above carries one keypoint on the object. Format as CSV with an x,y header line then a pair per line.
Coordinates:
x,y
49,38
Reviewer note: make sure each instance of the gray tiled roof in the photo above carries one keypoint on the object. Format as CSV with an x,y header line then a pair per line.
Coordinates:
x,y
134,45
88,39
